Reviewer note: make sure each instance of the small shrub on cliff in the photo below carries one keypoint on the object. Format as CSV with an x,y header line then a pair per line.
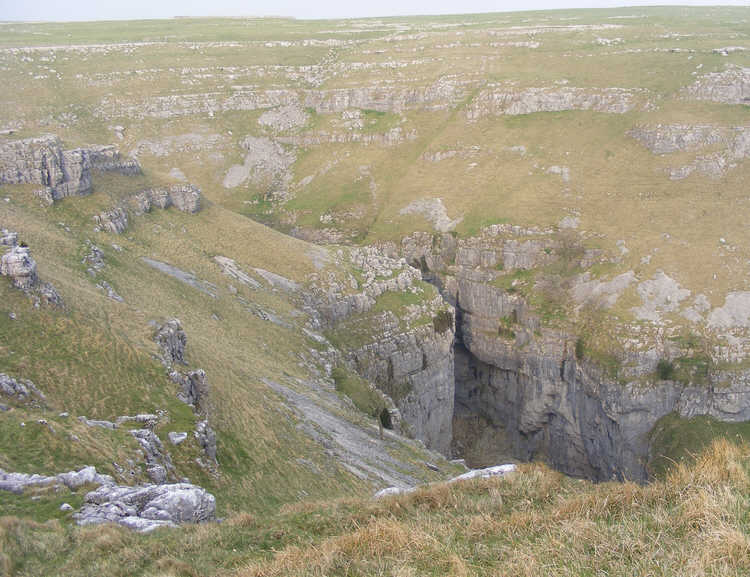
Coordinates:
x,y
580,348
665,370
442,321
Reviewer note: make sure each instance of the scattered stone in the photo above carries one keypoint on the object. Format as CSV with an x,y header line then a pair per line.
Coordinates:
x,y
284,118
176,438
66,507
266,163
111,293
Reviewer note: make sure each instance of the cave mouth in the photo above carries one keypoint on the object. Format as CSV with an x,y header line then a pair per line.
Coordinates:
x,y
479,435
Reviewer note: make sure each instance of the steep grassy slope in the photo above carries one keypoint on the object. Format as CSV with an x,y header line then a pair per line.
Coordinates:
x,y
96,357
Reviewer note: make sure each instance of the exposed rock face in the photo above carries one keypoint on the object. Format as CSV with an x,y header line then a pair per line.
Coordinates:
x,y
194,388
172,340
21,389
114,220
185,197
503,101
20,267
206,438
284,118
520,388
408,359
266,163
415,369
734,143
148,507
158,461
61,172
17,482
18,264
732,86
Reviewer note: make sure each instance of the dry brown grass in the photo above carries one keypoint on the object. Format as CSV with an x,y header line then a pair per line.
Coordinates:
x,y
538,522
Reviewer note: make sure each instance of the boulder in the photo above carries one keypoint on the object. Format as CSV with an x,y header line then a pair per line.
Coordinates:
x,y
147,507
114,220
172,340
18,264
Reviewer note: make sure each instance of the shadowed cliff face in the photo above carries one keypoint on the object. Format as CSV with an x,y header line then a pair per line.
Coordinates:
x,y
524,391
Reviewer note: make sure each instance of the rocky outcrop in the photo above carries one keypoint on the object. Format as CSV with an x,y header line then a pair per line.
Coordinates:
x,y
62,173
114,220
442,94
206,438
526,389
147,507
18,482
669,138
17,264
731,86
20,267
184,197
194,388
733,144
19,389
409,357
158,461
171,339
500,100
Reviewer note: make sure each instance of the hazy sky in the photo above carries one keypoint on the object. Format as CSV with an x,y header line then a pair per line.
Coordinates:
x,y
115,9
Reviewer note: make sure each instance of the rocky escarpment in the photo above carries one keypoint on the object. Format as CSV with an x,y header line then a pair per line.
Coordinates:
x,y
193,388
731,86
527,387
61,173
406,349
505,100
733,144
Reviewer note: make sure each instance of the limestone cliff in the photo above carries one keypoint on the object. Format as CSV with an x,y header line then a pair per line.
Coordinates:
x,y
526,387
405,348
